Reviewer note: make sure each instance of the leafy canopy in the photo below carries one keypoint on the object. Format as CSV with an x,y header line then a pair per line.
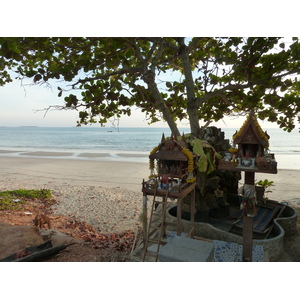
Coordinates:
x,y
170,78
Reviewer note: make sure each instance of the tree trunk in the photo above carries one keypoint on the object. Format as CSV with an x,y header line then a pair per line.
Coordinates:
x,y
192,107
149,78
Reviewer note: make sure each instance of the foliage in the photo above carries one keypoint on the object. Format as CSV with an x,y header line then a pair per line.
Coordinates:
x,y
171,78
7,197
266,184
206,155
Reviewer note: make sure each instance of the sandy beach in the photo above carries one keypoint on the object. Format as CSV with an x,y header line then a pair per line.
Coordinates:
x,y
106,194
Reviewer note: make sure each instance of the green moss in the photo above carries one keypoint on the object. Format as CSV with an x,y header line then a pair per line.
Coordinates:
x,y
7,197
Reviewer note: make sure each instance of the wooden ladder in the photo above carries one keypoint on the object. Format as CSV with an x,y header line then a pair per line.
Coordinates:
x,y
156,231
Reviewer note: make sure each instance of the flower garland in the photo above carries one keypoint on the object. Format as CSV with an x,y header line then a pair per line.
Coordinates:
x,y
190,158
233,150
151,163
187,153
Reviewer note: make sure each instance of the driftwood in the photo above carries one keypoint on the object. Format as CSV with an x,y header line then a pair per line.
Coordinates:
x,y
42,255
35,253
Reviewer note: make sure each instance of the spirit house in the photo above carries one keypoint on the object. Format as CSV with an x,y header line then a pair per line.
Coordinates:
x,y
171,177
174,165
252,152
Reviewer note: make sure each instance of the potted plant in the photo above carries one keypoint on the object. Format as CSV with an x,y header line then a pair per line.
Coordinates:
x,y
262,188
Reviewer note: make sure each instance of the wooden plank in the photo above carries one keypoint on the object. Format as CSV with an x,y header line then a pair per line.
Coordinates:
x,y
171,194
247,238
272,169
144,218
191,232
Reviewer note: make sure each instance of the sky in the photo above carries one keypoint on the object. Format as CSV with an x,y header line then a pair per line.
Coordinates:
x,y
24,106
18,106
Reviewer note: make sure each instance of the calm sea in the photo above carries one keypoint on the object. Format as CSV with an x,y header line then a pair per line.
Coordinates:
x,y
132,144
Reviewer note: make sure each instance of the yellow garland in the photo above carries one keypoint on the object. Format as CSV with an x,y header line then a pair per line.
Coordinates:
x,y
190,158
233,150
151,162
191,180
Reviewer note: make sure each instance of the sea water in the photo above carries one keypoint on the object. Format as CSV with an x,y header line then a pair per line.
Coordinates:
x,y
128,143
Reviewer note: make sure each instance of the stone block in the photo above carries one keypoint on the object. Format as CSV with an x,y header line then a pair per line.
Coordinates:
x,y
183,249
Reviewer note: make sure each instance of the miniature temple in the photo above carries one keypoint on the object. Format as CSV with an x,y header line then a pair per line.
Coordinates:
x,y
250,156
174,180
252,153
175,164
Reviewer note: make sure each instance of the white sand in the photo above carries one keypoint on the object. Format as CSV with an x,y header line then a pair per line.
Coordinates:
x,y
44,171
107,194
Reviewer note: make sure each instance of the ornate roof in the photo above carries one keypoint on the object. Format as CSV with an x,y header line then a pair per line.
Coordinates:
x,y
251,130
170,149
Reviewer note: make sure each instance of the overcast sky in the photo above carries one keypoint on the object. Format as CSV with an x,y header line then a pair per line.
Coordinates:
x,y
18,106
23,106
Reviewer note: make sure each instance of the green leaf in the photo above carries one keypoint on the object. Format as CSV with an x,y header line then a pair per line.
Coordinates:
x,y
169,84
198,149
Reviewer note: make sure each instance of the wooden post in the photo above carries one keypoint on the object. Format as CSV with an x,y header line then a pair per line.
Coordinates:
x,y
247,238
248,225
249,178
179,216
144,219
193,213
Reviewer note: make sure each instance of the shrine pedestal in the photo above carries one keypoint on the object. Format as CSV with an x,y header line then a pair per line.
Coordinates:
x,y
178,195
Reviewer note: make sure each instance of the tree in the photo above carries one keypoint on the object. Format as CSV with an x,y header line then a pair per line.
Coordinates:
x,y
215,76
169,78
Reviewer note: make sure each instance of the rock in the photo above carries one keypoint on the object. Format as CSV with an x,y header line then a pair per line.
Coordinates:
x,y
15,238
213,183
57,237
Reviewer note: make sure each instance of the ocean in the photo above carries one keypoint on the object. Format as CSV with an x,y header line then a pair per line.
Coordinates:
x,y
123,144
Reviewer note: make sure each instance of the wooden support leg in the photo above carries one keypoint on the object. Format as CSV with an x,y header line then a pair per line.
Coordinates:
x,y
179,216
193,213
248,225
144,219
249,178
247,238
164,208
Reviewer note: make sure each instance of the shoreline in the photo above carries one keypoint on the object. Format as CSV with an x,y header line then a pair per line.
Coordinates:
x,y
107,194
285,161
43,171
80,154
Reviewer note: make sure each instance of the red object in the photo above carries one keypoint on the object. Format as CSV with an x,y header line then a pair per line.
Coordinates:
x,y
164,178
247,155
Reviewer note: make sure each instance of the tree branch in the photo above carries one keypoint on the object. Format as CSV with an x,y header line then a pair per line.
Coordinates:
x,y
107,75
231,87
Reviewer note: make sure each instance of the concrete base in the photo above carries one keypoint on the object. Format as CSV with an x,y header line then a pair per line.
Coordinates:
x,y
232,252
182,249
